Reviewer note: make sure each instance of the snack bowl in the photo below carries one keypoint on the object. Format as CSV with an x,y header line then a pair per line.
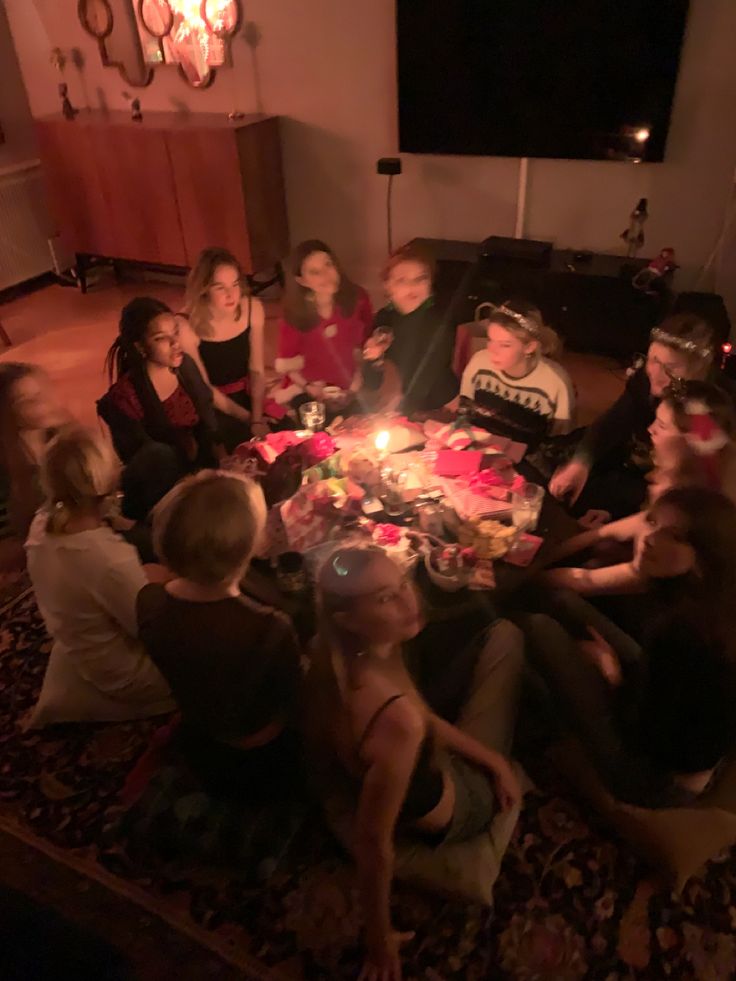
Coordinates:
x,y
450,567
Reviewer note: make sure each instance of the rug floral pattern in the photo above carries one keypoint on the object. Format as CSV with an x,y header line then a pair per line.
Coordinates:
x,y
571,903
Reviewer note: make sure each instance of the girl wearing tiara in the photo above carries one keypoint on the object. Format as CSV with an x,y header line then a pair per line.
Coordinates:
x,y
512,386
608,468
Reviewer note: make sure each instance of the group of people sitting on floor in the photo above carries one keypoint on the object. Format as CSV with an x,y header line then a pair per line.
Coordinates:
x,y
139,554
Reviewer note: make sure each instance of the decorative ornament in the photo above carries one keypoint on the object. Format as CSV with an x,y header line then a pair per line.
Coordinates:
x,y
634,234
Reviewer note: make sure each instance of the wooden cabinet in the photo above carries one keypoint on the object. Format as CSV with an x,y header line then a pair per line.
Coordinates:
x,y
160,190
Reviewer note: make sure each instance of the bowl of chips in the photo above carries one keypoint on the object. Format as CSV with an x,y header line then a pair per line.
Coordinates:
x,y
489,539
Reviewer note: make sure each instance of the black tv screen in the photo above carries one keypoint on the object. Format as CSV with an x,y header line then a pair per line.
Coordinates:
x,y
580,79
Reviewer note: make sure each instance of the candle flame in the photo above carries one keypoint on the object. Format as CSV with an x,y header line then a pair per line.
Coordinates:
x,y
382,440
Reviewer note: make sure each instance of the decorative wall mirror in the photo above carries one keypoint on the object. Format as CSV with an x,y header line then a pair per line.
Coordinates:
x,y
113,25
194,35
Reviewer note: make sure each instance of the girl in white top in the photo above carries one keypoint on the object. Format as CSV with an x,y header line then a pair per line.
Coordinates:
x,y
512,385
86,580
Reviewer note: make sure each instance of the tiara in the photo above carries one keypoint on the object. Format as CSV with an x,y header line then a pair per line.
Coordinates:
x,y
690,347
524,322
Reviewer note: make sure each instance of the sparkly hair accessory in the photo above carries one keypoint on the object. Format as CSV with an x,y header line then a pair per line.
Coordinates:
x,y
526,323
680,343
704,436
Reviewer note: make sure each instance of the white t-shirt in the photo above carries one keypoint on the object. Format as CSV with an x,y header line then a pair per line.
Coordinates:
x,y
86,586
542,400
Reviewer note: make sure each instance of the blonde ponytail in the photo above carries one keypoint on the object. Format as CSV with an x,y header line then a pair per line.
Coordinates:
x,y
78,471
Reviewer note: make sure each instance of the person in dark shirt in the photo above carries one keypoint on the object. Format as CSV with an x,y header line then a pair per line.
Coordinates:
x,y
418,338
158,407
656,719
608,469
232,664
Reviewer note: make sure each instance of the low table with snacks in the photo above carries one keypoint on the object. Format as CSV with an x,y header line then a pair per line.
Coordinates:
x,y
455,504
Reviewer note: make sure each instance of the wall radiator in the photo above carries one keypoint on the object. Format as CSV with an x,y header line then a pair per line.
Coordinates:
x,y
24,224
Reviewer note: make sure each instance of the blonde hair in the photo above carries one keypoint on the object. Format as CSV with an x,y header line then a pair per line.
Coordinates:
x,y
79,469
199,281
208,526
524,320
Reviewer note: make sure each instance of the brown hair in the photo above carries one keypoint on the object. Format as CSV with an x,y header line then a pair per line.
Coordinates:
x,y
299,311
411,252
15,459
199,281
79,470
208,526
524,320
688,334
711,531
718,405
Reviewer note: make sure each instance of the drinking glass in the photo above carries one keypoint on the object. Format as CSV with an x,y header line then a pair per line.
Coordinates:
x,y
526,505
312,415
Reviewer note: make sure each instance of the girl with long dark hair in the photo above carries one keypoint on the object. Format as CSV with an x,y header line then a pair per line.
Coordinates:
x,y
657,717
326,320
159,408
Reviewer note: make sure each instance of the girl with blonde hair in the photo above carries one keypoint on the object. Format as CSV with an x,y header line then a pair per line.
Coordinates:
x,y
514,385
409,770
233,664
86,580
224,335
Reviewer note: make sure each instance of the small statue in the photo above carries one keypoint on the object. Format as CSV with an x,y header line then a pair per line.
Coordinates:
x,y
135,108
66,107
656,275
634,234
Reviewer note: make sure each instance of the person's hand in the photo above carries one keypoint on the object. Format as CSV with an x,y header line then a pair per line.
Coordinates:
x,y
506,784
377,345
594,519
603,656
382,961
259,428
316,391
569,480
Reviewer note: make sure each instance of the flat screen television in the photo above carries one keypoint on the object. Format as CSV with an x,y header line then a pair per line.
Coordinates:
x,y
576,79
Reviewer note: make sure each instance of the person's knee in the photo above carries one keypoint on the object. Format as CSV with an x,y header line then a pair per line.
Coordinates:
x,y
504,642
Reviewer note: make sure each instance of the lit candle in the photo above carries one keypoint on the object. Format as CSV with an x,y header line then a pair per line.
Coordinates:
x,y
382,439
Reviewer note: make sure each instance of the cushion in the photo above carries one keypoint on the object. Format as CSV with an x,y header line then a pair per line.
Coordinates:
x,y
463,870
676,841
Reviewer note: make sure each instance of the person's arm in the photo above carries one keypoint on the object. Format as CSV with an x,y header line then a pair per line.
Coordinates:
x,y
609,580
190,345
256,368
128,435
507,786
623,530
391,753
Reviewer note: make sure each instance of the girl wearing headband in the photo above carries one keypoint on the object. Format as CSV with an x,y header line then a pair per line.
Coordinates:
x,y
608,469
512,385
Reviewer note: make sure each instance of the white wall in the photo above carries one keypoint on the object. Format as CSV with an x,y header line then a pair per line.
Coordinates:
x,y
15,113
328,67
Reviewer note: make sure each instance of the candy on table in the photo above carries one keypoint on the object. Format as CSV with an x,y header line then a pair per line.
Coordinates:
x,y
490,539
483,575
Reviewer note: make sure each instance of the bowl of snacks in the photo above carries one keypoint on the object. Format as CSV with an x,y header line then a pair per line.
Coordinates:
x,y
490,539
450,567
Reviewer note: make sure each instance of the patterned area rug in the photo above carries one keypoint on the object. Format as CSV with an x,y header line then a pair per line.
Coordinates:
x,y
570,903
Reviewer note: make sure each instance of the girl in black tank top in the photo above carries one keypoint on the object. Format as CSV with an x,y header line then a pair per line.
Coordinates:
x,y
233,365
412,772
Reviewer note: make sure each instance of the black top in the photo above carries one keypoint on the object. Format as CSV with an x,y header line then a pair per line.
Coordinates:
x,y
426,784
228,361
129,435
422,351
232,665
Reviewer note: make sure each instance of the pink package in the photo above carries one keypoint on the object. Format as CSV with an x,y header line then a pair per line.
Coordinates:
x,y
457,463
525,551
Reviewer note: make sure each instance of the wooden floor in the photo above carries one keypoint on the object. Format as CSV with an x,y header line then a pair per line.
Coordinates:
x,y
68,334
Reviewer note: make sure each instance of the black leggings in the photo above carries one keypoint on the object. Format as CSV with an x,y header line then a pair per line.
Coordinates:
x,y
603,718
147,477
